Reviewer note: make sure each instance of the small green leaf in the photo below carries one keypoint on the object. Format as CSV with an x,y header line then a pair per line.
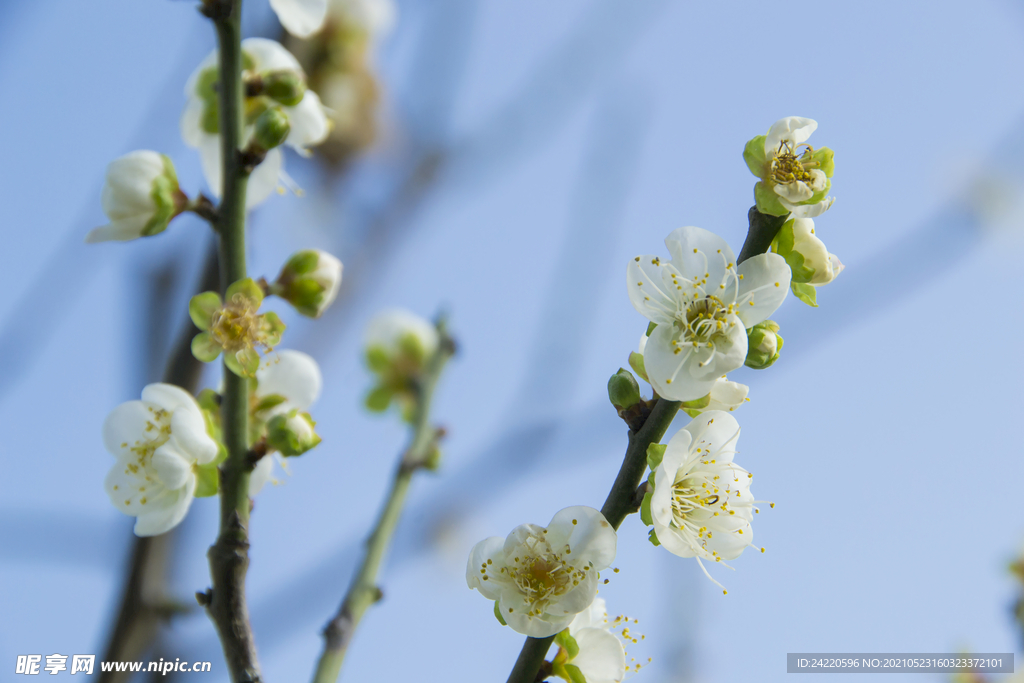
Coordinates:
x,y
379,399
204,348
497,614
753,154
653,537
567,643
645,509
207,481
650,328
202,307
268,402
377,359
826,163
655,454
575,675
806,293
767,201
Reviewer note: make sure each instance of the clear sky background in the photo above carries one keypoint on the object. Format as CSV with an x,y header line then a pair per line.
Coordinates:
x,y
573,136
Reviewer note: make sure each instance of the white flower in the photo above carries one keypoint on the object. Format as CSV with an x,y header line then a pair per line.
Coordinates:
x,y
726,395
541,578
701,505
158,442
601,658
702,304
291,382
301,18
140,197
200,124
395,330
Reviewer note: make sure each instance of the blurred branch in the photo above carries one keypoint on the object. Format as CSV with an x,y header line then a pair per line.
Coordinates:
x,y
364,591
145,602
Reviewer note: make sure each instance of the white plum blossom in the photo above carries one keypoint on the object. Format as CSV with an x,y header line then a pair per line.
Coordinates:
x,y
301,18
292,381
780,147
543,577
601,657
702,303
140,197
200,125
701,505
158,443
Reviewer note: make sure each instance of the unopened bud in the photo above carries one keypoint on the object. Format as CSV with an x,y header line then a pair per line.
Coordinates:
x,y
292,433
272,128
309,281
623,390
140,197
763,345
285,86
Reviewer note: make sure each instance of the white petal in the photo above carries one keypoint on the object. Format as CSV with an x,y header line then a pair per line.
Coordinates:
x,y
293,375
700,255
577,599
170,397
649,283
126,427
810,210
588,534
188,431
716,430
794,192
793,130
270,55
193,79
308,122
487,549
265,179
172,508
389,326
763,288
520,621
260,475
595,616
191,123
300,17
119,231
601,658
209,158
126,488
726,395
673,374
172,467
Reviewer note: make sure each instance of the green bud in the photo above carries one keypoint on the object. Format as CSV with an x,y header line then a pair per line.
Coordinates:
x,y
309,281
285,86
623,390
763,345
292,433
272,128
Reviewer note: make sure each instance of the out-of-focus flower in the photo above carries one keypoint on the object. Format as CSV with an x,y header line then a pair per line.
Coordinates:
x,y
309,281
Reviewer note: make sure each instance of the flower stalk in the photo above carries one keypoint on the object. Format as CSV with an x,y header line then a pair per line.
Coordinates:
x,y
621,500
364,591
229,556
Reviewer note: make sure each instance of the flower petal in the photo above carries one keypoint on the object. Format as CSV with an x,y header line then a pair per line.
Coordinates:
x,y
270,55
650,287
261,474
188,431
670,373
172,466
265,179
170,398
126,427
793,130
601,658
308,122
121,230
587,533
487,549
701,256
170,509
301,18
716,430
295,376
763,287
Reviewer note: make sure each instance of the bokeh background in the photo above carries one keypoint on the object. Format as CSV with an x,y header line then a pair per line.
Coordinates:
x,y
526,151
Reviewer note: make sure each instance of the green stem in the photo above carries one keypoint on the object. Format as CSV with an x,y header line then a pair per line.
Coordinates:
x,y
364,592
621,499
229,556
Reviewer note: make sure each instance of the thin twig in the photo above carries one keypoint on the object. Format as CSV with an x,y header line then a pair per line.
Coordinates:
x,y
364,591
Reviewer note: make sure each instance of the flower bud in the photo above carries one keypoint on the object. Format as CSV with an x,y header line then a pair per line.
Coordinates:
x,y
763,345
398,343
140,197
623,390
286,86
292,433
309,281
272,128
806,255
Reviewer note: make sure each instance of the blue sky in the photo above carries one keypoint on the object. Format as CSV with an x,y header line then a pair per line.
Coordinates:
x,y
573,136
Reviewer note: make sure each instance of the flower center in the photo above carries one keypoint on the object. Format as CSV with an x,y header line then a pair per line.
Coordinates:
x,y
787,167
701,321
544,575
236,325
158,431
